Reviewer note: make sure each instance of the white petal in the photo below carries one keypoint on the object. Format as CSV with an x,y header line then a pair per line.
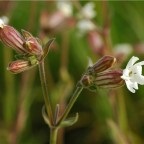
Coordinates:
x,y
1,23
135,85
131,86
88,10
131,62
139,63
5,19
137,69
126,73
65,7
85,25
139,79
137,75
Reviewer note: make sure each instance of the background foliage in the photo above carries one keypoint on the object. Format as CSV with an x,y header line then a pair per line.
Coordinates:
x,y
107,116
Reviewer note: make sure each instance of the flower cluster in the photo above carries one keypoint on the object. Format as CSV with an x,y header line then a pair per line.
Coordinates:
x,y
31,53
101,75
85,15
29,48
65,7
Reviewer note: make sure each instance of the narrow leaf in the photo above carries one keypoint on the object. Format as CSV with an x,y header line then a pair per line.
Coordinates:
x,y
56,113
47,47
70,121
46,119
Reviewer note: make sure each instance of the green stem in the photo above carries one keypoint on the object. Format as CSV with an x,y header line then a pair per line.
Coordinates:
x,y
53,135
45,91
70,104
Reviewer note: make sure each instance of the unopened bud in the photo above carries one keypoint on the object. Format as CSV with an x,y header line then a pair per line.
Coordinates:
x,y
109,79
33,47
12,38
19,66
102,64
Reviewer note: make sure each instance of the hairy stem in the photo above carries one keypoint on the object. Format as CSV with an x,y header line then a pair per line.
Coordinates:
x,y
53,135
45,91
70,104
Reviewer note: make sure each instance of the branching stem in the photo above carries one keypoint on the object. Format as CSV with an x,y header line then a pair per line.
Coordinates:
x,y
45,91
70,104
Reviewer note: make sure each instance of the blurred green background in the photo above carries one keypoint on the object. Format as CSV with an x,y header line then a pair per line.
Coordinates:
x,y
106,116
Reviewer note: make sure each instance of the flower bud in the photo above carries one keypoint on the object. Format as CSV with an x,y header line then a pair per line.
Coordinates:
x,y
12,38
102,64
33,47
19,66
109,79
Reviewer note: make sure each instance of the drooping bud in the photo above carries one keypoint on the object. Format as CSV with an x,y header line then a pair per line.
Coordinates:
x,y
109,79
102,64
19,66
33,47
12,38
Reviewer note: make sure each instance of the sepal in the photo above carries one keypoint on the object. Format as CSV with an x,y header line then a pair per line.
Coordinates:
x,y
26,34
47,48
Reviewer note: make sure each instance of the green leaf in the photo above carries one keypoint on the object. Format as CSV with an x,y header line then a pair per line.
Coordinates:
x,y
56,113
47,47
70,121
46,119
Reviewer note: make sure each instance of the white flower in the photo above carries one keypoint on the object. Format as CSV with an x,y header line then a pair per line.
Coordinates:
x,y
65,7
87,11
85,25
124,48
1,23
132,74
5,19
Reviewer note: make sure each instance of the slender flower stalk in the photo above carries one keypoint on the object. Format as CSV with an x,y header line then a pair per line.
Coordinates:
x,y
45,91
70,104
